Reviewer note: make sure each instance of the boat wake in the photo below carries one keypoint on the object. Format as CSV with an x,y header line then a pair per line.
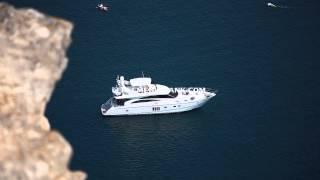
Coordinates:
x,y
272,5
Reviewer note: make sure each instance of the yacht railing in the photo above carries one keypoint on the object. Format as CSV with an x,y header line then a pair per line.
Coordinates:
x,y
116,91
212,90
143,89
193,89
107,105
199,89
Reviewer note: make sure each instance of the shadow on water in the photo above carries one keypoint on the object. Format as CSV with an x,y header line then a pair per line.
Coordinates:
x,y
153,143
161,122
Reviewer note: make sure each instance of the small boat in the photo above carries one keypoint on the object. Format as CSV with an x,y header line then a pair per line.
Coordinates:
x,y
102,7
269,4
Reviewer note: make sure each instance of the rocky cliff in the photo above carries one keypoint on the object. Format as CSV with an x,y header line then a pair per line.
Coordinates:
x,y
32,59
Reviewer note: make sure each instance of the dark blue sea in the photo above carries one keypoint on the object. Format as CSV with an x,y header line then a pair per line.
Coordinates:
x,y
264,123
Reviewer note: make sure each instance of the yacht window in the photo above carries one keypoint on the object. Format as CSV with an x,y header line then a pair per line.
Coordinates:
x,y
145,100
120,102
156,109
171,95
192,98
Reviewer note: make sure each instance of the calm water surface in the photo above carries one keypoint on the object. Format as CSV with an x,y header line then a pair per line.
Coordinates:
x,y
263,124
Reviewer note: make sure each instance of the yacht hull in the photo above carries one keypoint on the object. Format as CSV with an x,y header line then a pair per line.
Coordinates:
x,y
160,108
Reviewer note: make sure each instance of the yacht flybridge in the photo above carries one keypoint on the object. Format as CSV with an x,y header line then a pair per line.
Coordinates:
x,y
139,96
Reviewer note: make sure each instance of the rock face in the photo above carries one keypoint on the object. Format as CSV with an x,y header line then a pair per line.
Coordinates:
x,y
32,59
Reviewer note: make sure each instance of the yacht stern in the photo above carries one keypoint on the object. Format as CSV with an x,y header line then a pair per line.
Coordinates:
x,y
106,106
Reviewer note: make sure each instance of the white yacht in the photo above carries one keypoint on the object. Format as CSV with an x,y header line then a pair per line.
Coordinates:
x,y
139,96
